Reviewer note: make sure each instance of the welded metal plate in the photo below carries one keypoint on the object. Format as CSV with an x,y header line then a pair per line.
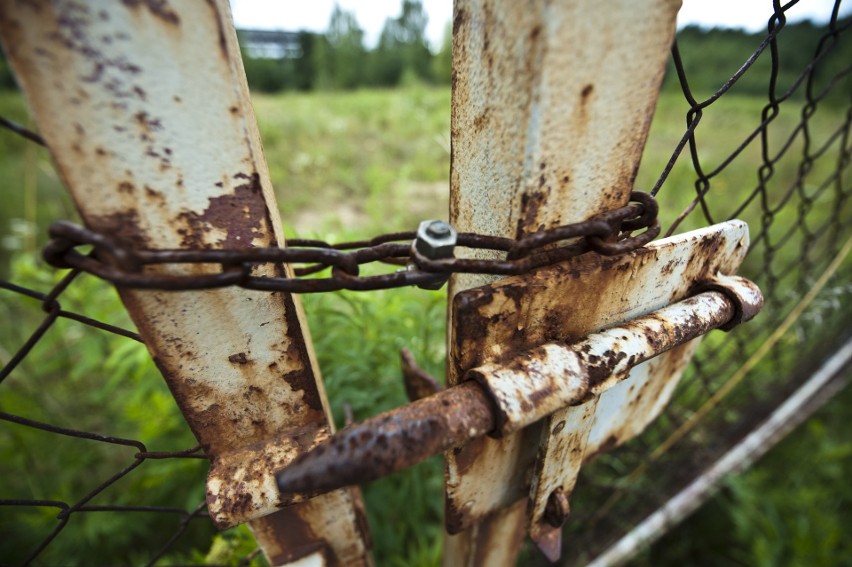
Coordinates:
x,y
565,303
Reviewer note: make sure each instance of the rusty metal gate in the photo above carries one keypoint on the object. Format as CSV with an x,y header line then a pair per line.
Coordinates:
x,y
569,325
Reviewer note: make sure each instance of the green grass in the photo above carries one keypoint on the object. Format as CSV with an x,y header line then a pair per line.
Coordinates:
x,y
343,165
382,157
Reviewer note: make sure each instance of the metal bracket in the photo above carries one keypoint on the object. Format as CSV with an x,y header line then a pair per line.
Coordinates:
x,y
607,359
553,395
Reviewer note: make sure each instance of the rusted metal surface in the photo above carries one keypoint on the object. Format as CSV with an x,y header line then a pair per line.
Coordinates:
x,y
145,109
241,483
638,395
746,296
551,107
418,383
515,314
502,398
531,385
557,467
392,441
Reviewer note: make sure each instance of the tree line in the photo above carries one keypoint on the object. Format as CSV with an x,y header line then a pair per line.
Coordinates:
x,y
338,59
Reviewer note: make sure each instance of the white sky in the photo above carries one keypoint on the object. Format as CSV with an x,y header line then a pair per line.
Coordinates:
x,y
314,15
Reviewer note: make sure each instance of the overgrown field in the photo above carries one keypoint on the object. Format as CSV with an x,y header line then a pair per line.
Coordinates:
x,y
349,165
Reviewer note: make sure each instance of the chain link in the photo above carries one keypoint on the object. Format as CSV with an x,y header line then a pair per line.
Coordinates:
x,y
608,233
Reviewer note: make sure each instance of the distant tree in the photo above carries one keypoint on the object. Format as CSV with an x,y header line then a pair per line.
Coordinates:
x,y
442,63
304,67
711,56
263,75
402,49
339,56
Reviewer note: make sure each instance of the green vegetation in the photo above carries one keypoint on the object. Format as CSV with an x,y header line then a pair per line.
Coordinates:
x,y
381,156
792,508
711,56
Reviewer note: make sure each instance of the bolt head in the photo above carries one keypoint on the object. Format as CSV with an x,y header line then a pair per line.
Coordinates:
x,y
439,229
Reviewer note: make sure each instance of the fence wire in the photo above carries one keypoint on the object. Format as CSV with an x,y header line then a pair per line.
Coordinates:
x,y
799,213
56,515
798,210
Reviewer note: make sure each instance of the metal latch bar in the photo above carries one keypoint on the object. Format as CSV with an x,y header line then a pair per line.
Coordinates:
x,y
499,398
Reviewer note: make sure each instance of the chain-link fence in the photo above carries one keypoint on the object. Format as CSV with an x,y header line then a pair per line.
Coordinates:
x,y
795,195
781,165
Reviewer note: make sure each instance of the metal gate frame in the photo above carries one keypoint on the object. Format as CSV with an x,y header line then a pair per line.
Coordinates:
x,y
145,108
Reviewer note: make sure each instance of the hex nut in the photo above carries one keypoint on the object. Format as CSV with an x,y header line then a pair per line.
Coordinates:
x,y
436,239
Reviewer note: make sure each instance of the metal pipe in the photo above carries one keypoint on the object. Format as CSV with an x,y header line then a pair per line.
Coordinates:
x,y
392,441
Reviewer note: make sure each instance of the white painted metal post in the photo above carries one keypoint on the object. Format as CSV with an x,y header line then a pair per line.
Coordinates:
x,y
145,109
552,101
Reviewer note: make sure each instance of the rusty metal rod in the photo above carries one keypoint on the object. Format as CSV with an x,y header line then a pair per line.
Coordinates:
x,y
392,441
404,436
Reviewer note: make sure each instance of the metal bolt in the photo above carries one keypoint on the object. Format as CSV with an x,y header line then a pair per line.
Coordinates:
x,y
557,508
436,239
438,229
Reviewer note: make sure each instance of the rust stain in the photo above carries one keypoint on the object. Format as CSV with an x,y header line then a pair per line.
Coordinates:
x,y
295,538
532,202
158,8
301,379
362,524
124,226
223,43
239,358
241,215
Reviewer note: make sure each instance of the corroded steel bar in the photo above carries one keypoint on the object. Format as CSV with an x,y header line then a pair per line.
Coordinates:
x,y
551,106
610,354
532,384
500,398
145,109
392,441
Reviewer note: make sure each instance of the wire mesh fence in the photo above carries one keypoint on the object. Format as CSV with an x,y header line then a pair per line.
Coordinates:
x,y
796,199
45,359
784,170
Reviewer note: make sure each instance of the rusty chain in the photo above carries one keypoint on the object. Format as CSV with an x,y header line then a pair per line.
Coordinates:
x,y
608,233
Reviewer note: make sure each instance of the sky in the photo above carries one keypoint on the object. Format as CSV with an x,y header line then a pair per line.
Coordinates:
x,y
314,15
